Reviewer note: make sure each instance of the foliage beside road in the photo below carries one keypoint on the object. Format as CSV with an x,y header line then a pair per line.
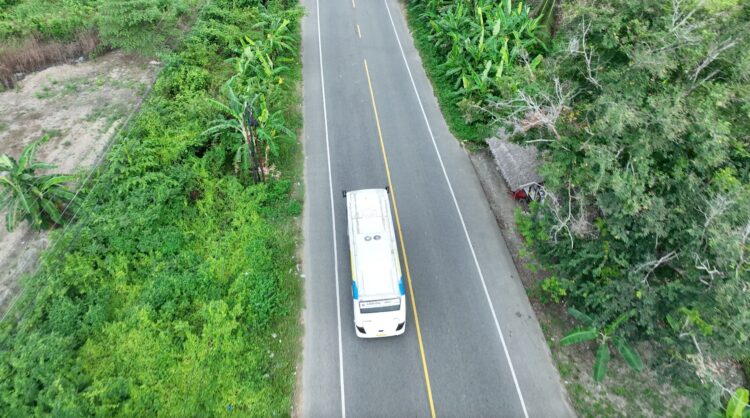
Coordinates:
x,y
175,292
476,52
641,113
141,25
35,34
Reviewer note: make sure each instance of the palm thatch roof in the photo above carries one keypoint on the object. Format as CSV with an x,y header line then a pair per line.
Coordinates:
x,y
518,164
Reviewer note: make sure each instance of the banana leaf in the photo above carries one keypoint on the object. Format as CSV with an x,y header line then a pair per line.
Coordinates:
x,y
579,336
601,362
628,353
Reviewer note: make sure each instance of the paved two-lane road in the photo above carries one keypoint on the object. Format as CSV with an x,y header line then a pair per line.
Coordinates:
x,y
371,120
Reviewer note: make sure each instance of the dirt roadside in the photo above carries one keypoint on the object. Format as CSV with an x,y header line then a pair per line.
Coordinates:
x,y
78,107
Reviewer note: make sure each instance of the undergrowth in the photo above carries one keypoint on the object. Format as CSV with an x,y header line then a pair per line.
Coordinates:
x,y
176,292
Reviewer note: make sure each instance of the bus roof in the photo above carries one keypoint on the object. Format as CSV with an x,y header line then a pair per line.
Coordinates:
x,y
373,244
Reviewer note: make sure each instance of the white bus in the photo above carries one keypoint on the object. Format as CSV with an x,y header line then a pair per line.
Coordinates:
x,y
377,285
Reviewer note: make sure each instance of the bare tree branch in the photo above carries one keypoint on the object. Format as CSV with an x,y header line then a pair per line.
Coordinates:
x,y
577,46
652,265
679,19
716,207
561,223
705,265
528,112
707,370
574,225
743,244
713,53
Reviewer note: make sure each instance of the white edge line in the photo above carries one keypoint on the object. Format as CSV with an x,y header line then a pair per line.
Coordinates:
x,y
460,216
333,215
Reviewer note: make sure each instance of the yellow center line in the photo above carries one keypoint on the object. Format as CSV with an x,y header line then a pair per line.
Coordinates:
x,y
359,33
403,248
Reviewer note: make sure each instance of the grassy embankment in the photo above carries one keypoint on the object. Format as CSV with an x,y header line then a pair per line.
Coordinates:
x,y
35,34
175,293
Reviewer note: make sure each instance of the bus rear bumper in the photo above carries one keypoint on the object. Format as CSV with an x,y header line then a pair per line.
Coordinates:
x,y
378,332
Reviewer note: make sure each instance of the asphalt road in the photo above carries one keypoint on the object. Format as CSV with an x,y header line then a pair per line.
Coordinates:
x,y
479,350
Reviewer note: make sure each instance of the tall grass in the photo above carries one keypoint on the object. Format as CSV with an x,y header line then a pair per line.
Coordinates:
x,y
34,54
35,34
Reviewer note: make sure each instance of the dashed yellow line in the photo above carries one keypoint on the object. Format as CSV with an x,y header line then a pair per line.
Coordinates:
x,y
359,32
403,248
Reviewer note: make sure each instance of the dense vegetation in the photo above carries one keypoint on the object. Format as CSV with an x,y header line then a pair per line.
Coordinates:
x,y
642,112
475,52
175,292
35,34
142,25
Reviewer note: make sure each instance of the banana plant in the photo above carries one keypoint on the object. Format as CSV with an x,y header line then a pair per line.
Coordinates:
x,y
482,42
42,200
279,37
239,129
604,335
737,406
452,23
271,129
254,62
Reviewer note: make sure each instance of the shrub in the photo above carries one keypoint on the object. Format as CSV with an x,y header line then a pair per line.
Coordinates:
x,y
553,289
136,25
477,51
167,296
642,123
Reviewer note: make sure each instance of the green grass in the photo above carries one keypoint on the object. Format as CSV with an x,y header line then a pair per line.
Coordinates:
x,y
444,90
109,113
52,133
54,88
176,293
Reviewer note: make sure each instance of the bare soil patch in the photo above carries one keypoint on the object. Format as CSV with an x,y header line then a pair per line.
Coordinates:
x,y
78,107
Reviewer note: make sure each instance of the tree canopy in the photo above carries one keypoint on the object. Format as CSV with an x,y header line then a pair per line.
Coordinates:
x,y
642,113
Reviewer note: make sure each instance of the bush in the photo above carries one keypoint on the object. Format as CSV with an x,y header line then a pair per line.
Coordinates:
x,y
138,25
475,51
168,296
553,289
62,20
647,170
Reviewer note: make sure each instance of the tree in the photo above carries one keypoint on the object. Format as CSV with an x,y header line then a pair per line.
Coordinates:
x,y
239,128
39,199
255,128
641,115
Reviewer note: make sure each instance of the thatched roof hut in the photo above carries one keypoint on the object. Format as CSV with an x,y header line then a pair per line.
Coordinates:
x,y
518,164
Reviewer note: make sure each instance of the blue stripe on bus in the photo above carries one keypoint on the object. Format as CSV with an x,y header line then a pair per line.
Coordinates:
x,y
401,287
355,293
